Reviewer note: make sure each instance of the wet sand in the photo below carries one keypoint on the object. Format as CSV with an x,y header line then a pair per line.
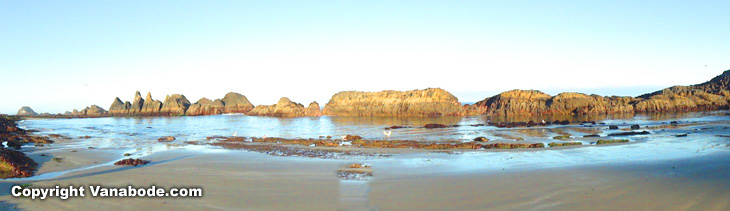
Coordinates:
x,y
234,180
695,184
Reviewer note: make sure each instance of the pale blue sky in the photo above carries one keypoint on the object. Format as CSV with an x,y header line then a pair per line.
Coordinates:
x,y
60,55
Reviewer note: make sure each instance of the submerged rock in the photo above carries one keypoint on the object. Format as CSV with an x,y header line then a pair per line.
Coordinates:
x,y
166,139
434,125
630,133
355,171
427,102
481,139
131,162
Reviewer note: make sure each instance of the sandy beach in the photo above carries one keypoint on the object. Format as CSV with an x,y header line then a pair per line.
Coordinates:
x,y
235,180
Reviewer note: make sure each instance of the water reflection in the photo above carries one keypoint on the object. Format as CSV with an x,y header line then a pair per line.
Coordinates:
x,y
390,121
141,130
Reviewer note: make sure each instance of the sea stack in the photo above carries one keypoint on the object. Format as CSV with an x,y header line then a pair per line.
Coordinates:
x,y
150,107
284,108
535,103
137,104
174,105
119,108
313,109
427,102
516,102
26,111
204,106
236,103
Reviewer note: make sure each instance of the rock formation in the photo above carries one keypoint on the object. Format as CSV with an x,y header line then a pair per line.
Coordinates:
x,y
711,95
137,104
236,103
285,108
474,110
89,111
94,110
204,106
14,164
313,109
707,96
533,102
570,103
428,102
118,108
516,102
174,105
150,106
178,105
26,111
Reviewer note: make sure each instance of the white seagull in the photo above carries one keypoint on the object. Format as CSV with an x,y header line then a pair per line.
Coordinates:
x,y
387,133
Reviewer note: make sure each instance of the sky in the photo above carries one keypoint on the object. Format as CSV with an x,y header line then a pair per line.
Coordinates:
x,y
57,56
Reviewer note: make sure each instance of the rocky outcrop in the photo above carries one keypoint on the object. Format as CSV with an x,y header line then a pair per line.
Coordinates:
x,y
26,111
150,106
516,102
313,109
236,103
719,85
137,104
681,99
14,164
533,103
119,108
571,103
204,106
474,110
428,102
174,105
711,95
285,108
177,105
93,111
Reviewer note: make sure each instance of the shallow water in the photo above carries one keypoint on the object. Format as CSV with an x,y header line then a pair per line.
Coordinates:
x,y
115,130
138,136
